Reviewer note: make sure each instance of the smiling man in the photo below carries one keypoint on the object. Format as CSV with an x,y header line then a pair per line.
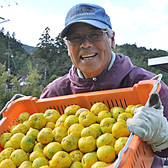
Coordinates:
x,y
89,48
90,40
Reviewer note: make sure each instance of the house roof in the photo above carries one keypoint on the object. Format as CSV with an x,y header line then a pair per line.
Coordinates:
x,y
159,62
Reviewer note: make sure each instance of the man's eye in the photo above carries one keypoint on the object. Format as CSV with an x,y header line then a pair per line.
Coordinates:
x,y
94,34
76,38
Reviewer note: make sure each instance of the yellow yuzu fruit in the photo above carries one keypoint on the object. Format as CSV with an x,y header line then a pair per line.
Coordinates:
x,y
70,120
124,116
106,153
40,161
26,164
8,144
26,123
51,115
45,166
16,139
88,131
120,129
89,159
59,133
60,121
4,138
38,147
27,143
69,143
1,157
128,108
103,114
76,164
115,111
75,129
18,156
7,163
50,125
37,121
61,160
133,108
87,144
45,136
97,107
106,124
86,118
6,153
76,155
51,148
35,154
51,164
97,128
22,128
32,132
79,111
99,164
105,139
71,110
23,117
120,143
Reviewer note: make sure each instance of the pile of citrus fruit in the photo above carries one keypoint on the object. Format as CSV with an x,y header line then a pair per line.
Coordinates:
x,y
79,138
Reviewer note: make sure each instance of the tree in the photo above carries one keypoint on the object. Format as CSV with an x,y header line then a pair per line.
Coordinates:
x,y
45,47
60,45
51,54
32,85
2,30
5,86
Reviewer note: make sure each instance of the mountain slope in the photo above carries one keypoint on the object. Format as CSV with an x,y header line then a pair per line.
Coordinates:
x,y
29,49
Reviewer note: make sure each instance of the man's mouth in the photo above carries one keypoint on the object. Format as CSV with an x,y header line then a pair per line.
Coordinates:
x,y
88,57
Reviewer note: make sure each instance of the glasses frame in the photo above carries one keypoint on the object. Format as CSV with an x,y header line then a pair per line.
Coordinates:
x,y
86,36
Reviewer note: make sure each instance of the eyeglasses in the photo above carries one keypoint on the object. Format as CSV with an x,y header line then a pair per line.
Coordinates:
x,y
93,36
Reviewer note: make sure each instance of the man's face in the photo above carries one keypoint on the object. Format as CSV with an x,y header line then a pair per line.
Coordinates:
x,y
91,58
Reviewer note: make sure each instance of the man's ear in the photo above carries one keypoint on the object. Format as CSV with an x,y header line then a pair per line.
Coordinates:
x,y
113,41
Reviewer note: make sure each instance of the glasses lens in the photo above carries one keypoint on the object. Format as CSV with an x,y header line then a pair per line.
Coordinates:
x,y
77,39
95,36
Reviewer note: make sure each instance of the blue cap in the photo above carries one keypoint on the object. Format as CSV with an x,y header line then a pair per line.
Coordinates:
x,y
88,13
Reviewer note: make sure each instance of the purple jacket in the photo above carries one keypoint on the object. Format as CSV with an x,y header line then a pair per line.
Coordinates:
x,y
122,74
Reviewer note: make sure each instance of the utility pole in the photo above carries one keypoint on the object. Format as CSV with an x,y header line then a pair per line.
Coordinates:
x,y
9,57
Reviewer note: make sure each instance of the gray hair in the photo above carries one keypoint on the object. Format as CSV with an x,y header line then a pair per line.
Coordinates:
x,y
109,32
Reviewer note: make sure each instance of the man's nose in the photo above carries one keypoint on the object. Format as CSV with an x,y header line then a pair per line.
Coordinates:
x,y
86,42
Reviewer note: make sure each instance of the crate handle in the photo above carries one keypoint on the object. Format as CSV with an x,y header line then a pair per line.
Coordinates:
x,y
158,79
13,98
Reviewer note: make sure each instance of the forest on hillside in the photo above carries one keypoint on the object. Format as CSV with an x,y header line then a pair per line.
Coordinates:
x,y
28,73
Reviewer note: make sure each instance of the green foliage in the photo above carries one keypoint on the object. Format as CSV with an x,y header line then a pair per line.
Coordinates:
x,y
4,85
10,85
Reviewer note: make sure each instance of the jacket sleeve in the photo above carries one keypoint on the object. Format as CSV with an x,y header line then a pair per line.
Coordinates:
x,y
164,153
48,92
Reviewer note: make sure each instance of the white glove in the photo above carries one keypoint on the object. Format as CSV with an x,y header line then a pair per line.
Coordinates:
x,y
150,125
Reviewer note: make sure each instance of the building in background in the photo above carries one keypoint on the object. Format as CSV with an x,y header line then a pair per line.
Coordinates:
x,y
159,62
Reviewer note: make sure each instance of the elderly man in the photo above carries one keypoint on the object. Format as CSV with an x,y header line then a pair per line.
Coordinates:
x,y
90,40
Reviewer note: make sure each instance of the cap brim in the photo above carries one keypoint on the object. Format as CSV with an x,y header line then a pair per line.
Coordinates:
x,y
94,23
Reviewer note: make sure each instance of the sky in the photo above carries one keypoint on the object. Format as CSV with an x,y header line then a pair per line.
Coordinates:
x,y
140,22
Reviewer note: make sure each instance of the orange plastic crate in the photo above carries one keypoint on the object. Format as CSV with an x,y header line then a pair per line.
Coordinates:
x,y
138,154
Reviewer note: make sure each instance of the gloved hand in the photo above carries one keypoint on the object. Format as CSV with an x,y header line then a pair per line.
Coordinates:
x,y
150,125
